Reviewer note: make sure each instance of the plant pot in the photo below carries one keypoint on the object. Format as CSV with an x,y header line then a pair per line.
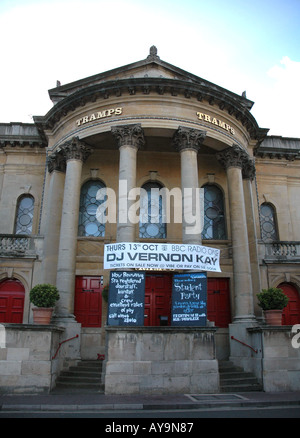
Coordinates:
x,y
42,315
273,317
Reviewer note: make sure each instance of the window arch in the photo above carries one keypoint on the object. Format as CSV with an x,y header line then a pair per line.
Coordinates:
x,y
214,213
88,224
24,215
269,232
152,214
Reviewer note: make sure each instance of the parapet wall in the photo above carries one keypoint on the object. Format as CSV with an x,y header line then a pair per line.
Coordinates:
x,y
161,360
26,364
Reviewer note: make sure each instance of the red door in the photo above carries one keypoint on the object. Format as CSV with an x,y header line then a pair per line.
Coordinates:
x,y
12,294
158,293
218,301
88,301
291,313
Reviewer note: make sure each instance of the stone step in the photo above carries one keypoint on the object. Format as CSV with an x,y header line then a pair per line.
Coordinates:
x,y
235,375
239,380
78,379
241,388
235,379
86,375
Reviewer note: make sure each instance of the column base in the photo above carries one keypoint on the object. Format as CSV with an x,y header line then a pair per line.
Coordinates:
x,y
251,319
64,318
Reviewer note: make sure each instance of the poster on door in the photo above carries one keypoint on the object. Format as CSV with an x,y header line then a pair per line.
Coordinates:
x,y
126,298
189,299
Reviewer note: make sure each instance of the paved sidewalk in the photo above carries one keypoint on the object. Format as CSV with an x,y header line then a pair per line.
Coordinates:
x,y
100,402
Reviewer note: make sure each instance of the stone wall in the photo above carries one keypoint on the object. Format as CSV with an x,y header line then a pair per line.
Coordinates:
x,y
160,360
26,364
277,362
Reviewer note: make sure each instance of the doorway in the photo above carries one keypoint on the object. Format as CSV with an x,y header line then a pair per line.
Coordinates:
x,y
158,300
158,295
88,301
291,313
12,295
218,301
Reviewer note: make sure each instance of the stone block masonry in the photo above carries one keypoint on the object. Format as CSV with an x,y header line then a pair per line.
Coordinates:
x,y
26,365
161,360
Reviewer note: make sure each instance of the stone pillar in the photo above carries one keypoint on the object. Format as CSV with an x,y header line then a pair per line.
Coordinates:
x,y
75,153
188,141
248,177
129,139
233,159
56,168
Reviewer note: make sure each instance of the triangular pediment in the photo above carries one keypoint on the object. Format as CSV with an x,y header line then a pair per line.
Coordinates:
x,y
151,67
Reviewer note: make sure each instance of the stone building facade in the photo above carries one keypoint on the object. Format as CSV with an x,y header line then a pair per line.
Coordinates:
x,y
152,125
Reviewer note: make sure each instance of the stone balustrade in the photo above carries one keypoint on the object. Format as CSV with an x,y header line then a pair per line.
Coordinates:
x,y
13,245
282,251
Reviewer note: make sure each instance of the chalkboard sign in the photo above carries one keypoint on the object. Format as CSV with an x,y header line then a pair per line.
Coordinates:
x,y
189,299
126,298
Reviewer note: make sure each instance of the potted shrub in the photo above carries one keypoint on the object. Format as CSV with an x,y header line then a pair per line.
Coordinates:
x,y
272,301
44,297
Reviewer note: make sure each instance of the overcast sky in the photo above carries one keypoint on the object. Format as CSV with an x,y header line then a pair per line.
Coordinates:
x,y
237,44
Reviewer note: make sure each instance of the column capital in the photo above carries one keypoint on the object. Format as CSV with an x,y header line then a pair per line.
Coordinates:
x,y
129,135
76,149
188,138
56,161
248,170
233,156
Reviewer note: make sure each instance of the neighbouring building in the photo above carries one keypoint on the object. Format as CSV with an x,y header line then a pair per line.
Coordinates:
x,y
147,125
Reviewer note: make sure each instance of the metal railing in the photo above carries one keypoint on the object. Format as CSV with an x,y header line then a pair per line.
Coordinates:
x,y
245,345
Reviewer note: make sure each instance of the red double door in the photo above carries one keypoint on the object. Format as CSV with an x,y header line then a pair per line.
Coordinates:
x,y
12,295
158,299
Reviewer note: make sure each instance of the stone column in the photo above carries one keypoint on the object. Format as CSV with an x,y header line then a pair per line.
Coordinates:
x,y
75,153
129,139
188,141
248,177
56,168
233,159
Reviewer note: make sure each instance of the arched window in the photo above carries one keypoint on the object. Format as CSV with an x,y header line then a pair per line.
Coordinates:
x,y
88,223
152,222
269,231
24,215
214,213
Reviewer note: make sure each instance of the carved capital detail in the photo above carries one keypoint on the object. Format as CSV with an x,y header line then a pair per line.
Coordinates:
x,y
233,156
129,135
188,138
56,161
248,170
76,149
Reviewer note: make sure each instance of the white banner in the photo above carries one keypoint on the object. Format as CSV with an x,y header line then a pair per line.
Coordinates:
x,y
128,255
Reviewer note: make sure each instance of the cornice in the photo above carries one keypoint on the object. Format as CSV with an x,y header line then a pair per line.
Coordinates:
x,y
236,106
20,135
278,147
